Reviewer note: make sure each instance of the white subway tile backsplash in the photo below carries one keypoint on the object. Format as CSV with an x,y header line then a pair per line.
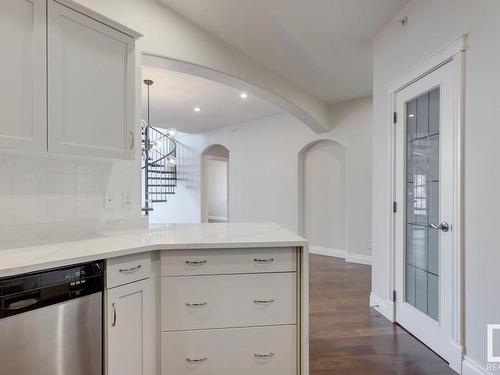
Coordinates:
x,y
29,175
30,208
6,217
51,189
5,164
5,183
88,206
61,207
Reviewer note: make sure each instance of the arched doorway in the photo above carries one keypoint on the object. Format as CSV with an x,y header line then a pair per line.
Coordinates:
x,y
322,196
215,184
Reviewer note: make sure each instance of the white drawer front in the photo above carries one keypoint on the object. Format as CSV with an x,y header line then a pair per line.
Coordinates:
x,y
227,261
217,301
240,351
127,269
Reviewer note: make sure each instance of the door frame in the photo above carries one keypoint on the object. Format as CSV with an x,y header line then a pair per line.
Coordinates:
x,y
204,187
454,54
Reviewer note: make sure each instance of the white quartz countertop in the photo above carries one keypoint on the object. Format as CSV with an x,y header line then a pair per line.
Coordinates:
x,y
20,258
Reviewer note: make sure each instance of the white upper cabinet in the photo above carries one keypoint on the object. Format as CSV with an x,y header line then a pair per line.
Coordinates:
x,y
91,93
23,104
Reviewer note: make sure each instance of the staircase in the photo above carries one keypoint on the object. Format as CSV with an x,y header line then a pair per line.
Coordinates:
x,y
158,165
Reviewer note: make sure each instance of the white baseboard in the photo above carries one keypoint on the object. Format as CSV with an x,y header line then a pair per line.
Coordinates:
x,y
329,252
358,258
337,253
383,306
471,367
456,356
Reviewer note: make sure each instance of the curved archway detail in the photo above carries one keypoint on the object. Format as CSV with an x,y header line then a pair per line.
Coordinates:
x,y
322,210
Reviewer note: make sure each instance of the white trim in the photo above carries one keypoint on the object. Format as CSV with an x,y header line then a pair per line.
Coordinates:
x,y
471,367
99,17
343,254
454,54
239,84
326,251
456,358
214,157
204,187
358,258
383,306
430,63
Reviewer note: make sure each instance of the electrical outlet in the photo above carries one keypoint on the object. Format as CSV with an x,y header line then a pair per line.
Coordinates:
x,y
108,199
127,200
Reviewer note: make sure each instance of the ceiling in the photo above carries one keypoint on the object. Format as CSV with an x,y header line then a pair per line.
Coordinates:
x,y
324,46
174,95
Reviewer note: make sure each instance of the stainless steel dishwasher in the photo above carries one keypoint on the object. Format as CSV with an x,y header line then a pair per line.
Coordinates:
x,y
51,322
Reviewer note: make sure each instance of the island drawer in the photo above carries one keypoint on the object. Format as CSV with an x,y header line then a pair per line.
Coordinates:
x,y
127,269
221,301
242,351
227,261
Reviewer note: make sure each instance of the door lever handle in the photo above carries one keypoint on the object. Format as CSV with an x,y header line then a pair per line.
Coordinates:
x,y
445,227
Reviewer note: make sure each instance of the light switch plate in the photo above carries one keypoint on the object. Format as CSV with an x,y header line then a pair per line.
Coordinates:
x,y
108,199
127,200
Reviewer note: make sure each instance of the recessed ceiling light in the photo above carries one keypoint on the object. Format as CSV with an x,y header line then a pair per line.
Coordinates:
x,y
197,109
243,95
411,115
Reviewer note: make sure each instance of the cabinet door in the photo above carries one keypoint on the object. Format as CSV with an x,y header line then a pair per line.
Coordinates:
x,y
23,113
129,329
90,86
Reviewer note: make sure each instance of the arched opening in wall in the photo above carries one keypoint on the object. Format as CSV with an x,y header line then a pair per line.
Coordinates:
x,y
322,197
196,107
215,184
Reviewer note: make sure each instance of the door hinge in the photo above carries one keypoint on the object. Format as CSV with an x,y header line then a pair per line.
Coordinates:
x,y
395,117
393,296
394,207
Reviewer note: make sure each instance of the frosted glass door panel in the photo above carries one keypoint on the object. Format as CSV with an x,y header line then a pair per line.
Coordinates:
x,y
422,202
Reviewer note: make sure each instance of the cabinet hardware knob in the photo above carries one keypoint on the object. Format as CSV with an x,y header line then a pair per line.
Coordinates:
x,y
198,304
196,360
260,355
263,260
196,262
131,269
263,301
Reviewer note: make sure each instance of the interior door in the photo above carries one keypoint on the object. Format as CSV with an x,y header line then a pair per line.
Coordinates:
x,y
424,191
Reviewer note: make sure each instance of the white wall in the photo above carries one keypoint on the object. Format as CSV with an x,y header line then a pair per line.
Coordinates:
x,y
324,195
263,170
216,185
170,35
432,25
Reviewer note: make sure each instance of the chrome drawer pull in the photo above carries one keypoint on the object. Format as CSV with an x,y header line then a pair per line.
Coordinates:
x,y
196,360
262,356
263,260
196,262
114,314
199,304
131,269
263,301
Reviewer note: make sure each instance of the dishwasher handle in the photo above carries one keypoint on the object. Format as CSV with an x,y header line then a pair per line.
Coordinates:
x,y
21,304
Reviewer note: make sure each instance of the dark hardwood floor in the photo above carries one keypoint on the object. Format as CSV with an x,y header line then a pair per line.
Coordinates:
x,y
349,338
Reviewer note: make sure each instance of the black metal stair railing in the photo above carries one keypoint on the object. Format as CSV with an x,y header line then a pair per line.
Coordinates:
x,y
159,158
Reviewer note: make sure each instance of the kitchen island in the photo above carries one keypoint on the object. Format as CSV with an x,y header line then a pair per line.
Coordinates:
x,y
192,298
